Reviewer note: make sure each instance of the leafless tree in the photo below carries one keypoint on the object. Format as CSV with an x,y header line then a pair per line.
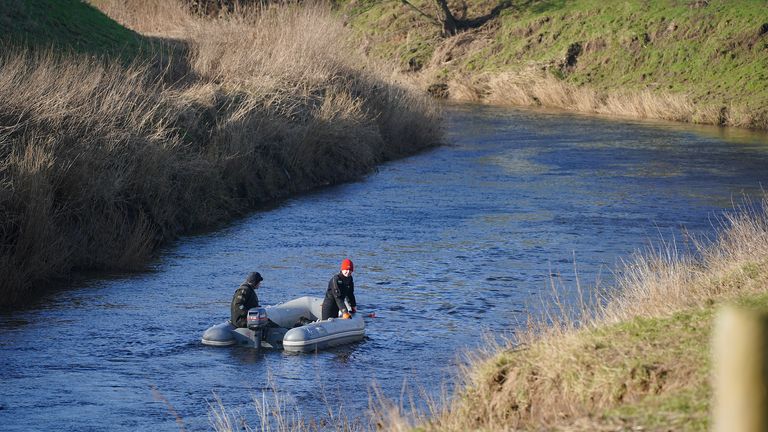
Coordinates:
x,y
449,23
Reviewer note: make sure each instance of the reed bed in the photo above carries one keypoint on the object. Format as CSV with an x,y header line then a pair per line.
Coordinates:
x,y
534,87
276,411
100,162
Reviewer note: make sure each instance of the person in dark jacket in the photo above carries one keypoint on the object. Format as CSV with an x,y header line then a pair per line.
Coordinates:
x,y
245,298
341,287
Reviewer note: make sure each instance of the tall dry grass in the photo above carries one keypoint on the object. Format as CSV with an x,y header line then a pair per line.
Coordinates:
x,y
277,411
100,163
664,280
91,169
534,87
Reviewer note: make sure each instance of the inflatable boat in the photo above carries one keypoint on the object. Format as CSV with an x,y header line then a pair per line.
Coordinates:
x,y
293,326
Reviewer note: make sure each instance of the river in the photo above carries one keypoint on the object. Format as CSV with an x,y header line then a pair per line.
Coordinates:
x,y
449,245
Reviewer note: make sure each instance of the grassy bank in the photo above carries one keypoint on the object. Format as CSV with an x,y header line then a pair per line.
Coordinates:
x,y
691,61
101,162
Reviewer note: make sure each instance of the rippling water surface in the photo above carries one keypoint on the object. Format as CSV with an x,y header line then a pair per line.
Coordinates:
x,y
447,245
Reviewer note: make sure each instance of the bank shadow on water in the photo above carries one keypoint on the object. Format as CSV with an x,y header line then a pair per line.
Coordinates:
x,y
448,245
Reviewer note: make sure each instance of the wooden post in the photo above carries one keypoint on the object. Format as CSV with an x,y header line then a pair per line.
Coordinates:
x,y
740,382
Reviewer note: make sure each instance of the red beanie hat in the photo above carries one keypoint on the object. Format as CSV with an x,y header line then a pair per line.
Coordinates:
x,y
347,265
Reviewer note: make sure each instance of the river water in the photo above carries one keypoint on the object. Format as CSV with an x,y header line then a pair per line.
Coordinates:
x,y
448,245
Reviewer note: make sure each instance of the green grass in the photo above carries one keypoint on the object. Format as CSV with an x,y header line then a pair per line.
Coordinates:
x,y
68,24
663,43
660,345
683,410
404,37
648,372
716,54
684,337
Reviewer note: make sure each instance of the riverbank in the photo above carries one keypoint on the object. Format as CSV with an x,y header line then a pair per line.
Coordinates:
x,y
641,361
688,61
116,144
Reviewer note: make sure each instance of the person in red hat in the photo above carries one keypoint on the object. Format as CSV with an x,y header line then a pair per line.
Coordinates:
x,y
341,287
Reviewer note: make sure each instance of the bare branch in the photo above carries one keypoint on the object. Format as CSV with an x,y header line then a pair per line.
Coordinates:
x,y
432,19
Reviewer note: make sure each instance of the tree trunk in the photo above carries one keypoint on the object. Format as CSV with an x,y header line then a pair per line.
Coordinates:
x,y
449,22
446,19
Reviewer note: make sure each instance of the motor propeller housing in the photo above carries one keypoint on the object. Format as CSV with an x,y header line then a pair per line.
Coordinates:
x,y
257,318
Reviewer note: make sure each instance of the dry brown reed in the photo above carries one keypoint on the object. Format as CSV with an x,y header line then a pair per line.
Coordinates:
x,y
101,162
149,17
662,280
535,87
88,166
275,411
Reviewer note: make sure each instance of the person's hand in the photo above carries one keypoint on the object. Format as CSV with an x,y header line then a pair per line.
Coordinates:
x,y
346,315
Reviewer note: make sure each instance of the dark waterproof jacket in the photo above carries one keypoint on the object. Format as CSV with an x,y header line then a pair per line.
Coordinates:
x,y
244,298
339,288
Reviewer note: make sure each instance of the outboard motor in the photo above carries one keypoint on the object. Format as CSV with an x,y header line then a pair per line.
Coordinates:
x,y
257,321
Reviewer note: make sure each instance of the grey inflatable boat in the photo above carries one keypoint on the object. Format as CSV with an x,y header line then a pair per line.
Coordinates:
x,y
293,326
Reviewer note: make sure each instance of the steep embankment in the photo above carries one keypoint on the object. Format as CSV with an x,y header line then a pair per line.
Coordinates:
x,y
684,60
113,141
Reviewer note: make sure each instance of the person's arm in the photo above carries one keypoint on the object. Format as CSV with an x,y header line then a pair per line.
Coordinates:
x,y
336,292
351,296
